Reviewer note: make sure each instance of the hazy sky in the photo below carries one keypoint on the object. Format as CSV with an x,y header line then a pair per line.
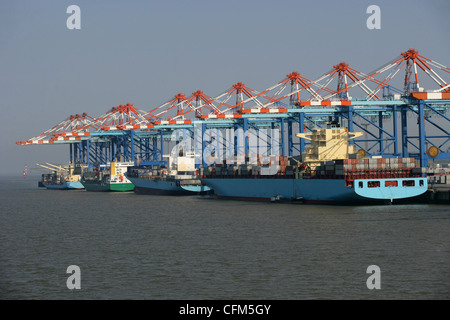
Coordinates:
x,y
144,52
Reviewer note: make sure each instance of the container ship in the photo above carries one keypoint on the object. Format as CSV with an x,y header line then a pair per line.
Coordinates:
x,y
110,177
179,178
66,177
330,172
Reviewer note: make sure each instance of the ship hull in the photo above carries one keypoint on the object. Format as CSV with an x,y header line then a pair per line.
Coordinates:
x,y
165,187
65,186
108,187
327,191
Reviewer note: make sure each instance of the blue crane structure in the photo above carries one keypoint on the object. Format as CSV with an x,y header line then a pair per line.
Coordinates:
x,y
396,122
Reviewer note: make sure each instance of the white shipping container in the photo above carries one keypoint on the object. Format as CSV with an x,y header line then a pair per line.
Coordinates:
x,y
268,171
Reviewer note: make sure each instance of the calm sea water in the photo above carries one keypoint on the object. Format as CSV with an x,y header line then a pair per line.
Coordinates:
x,y
132,246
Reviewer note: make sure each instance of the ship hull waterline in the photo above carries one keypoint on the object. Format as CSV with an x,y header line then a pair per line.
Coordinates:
x,y
109,187
313,191
65,186
166,187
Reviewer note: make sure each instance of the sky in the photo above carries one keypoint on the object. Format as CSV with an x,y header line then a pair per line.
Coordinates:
x,y
144,52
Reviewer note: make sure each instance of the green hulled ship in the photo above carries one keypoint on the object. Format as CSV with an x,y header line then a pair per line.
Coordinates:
x,y
108,178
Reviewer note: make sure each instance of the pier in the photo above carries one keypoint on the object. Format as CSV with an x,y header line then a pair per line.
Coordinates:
x,y
439,189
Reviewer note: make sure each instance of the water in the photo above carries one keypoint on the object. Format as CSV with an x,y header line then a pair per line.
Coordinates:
x,y
132,246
